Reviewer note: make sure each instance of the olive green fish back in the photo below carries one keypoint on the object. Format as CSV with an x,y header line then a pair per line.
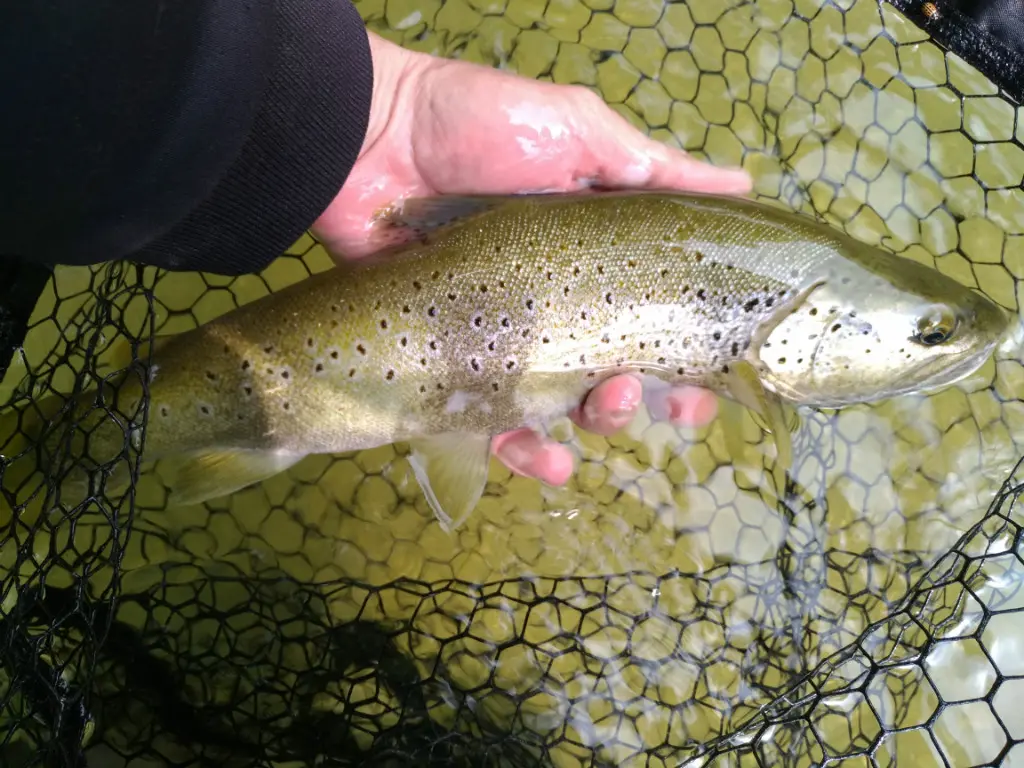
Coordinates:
x,y
670,606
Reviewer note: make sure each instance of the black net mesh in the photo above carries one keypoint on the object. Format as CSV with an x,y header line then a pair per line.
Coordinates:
x,y
670,606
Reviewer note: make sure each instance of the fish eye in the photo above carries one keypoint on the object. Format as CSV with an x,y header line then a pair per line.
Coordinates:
x,y
936,326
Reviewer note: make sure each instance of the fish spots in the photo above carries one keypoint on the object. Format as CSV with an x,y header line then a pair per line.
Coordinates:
x,y
680,371
404,341
701,294
319,368
494,386
836,327
165,411
475,364
735,348
608,298
483,288
505,322
390,375
510,364
310,343
269,348
285,375
432,311
205,409
361,349
247,390
383,325
286,405
246,365
417,285
782,361
334,354
211,376
698,257
717,335
478,321
529,305
813,311
351,373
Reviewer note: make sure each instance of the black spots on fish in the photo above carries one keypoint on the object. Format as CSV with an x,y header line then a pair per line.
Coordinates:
x,y
698,257
579,242
680,371
510,364
494,386
647,296
717,335
490,346
377,305
423,389
686,289
204,409
545,340
631,263
565,364
390,375
525,333
529,304
583,359
310,343
433,345
799,361
643,345
701,294
211,376
505,322
286,405
663,274
600,269
549,274
661,361
404,341
269,348
725,368
782,361
478,321
334,354
406,309
432,311
335,308
319,368
608,297
565,291
483,288
576,271
769,301
475,364
497,249
606,339
452,296
836,327
351,373
383,324
285,374
270,371
435,275
417,285
583,314
165,411
247,390
813,311
735,348
361,349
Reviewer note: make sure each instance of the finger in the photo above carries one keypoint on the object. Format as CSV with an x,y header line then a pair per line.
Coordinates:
x,y
683,406
526,453
610,406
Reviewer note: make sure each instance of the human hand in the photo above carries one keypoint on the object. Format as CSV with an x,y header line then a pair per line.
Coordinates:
x,y
440,126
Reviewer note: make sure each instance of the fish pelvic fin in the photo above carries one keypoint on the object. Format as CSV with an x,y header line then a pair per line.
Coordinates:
x,y
451,469
198,477
416,217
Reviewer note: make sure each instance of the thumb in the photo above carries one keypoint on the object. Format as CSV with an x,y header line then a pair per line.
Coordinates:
x,y
618,155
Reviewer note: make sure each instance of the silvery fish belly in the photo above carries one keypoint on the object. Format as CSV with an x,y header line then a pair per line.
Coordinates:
x,y
504,312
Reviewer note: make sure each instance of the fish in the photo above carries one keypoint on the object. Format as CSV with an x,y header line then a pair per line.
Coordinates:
x,y
493,313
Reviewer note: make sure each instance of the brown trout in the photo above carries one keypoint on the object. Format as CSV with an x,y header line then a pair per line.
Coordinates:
x,y
504,312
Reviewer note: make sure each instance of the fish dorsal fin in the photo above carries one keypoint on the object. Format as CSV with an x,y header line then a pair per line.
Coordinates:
x,y
198,477
452,471
417,216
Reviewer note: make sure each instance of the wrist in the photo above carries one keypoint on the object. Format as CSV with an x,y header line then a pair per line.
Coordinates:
x,y
396,73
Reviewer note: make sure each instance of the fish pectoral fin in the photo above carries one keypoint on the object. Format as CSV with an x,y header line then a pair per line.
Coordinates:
x,y
417,216
452,472
746,387
198,477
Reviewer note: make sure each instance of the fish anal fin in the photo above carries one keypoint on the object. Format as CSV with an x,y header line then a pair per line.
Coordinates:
x,y
199,477
452,470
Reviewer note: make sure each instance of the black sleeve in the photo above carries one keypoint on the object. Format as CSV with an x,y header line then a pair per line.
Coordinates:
x,y
188,134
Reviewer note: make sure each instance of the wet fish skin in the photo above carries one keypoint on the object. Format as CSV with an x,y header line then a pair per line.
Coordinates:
x,y
507,311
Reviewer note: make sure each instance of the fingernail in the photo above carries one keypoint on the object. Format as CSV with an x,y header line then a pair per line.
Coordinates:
x,y
516,458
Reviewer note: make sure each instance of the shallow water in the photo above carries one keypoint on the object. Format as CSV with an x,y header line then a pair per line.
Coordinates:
x,y
667,593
